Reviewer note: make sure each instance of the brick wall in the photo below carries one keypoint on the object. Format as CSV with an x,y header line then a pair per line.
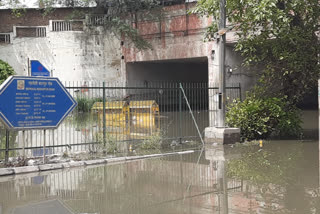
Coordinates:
x,y
32,17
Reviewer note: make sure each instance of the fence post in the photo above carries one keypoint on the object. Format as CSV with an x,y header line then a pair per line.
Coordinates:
x,y
7,146
180,113
23,144
104,114
240,91
44,146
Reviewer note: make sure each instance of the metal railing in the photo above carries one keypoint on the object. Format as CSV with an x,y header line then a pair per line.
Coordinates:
x,y
41,31
97,19
61,26
66,25
119,112
5,38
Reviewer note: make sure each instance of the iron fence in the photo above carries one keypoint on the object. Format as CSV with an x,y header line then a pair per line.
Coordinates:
x,y
121,113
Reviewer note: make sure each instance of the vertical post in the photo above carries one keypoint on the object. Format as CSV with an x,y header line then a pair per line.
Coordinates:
x,y
7,146
240,91
104,113
23,144
53,141
28,72
222,78
44,146
180,113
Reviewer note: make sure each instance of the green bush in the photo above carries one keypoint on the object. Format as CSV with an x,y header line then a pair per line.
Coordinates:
x,y
258,118
5,71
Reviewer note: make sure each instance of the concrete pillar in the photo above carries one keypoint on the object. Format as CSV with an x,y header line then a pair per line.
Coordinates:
x,y
214,134
213,78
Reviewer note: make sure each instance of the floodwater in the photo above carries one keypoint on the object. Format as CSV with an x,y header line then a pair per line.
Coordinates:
x,y
79,133
280,177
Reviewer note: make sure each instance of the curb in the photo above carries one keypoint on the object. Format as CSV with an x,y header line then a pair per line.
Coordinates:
x,y
73,164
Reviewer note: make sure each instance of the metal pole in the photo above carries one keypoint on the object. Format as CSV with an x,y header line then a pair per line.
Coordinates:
x,y
23,144
104,114
190,110
7,146
222,78
44,146
180,114
28,67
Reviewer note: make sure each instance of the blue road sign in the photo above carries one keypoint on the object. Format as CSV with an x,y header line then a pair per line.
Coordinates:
x,y
34,102
37,69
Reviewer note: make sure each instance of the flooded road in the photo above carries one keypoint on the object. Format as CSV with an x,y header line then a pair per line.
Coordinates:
x,y
280,177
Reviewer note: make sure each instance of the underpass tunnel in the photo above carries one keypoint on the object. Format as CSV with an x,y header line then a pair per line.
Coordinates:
x,y
158,81
178,70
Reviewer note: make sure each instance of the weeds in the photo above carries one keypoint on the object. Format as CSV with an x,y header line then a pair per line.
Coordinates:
x,y
152,143
85,104
109,146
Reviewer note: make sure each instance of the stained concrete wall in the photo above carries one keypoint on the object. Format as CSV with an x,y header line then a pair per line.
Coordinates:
x,y
179,36
33,17
70,55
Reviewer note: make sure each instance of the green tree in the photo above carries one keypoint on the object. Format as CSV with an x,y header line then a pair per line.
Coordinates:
x,y
281,34
5,71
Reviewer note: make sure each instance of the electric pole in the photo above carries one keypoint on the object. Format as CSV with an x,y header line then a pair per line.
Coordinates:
x,y
222,77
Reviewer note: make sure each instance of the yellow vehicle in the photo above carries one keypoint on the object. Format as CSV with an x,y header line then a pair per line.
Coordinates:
x,y
143,113
135,120
144,118
117,113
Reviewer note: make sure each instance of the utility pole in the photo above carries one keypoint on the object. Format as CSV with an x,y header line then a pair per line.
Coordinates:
x,y
222,134
222,77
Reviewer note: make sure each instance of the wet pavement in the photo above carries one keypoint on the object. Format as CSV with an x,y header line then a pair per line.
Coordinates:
x,y
280,177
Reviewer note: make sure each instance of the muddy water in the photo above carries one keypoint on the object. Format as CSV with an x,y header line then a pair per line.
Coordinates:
x,y
280,177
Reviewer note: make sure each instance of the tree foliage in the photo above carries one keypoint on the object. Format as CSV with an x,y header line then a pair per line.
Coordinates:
x,y
5,71
281,34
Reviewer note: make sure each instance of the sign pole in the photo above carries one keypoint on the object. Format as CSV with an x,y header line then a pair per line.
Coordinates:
x,y
44,146
28,67
7,146
23,144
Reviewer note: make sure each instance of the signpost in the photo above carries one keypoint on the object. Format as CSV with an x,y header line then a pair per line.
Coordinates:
x,y
37,69
34,103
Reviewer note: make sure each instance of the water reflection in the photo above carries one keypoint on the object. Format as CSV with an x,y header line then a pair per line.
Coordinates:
x,y
282,177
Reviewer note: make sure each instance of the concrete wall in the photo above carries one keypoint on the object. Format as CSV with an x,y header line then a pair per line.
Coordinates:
x,y
81,55
70,55
32,17
179,36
